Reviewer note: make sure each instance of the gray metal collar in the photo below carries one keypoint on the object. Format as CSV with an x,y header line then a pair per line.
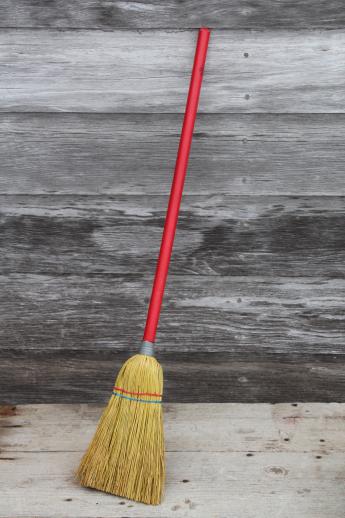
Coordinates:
x,y
147,348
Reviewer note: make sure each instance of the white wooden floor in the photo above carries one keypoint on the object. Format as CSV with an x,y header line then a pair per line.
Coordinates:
x,y
223,461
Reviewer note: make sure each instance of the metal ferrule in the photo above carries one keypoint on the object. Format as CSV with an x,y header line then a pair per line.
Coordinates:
x,y
147,348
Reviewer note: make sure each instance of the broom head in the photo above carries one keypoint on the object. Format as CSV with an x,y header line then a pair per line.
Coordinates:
x,y
126,454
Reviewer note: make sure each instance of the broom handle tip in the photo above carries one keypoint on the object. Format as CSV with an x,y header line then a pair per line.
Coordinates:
x,y
177,187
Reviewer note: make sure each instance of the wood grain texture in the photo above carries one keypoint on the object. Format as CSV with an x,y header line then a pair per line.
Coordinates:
x,y
135,153
89,126
251,339
261,14
248,376
285,427
246,71
214,314
248,470
217,235
291,484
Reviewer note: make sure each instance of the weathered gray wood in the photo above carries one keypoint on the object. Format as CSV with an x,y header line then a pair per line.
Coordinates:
x,y
256,475
288,485
250,375
172,13
219,314
297,427
250,339
131,153
76,271
276,71
217,235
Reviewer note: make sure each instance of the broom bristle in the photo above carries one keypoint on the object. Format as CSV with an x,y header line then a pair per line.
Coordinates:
x,y
126,454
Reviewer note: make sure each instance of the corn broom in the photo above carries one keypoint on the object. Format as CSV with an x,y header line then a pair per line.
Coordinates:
x,y
126,454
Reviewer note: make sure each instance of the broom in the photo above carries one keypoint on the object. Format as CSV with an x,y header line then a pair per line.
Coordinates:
x,y
126,454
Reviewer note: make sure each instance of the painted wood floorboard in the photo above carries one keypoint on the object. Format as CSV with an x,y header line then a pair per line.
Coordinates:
x,y
243,461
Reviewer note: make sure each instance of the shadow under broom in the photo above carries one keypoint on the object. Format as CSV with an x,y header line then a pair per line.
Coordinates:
x,y
126,454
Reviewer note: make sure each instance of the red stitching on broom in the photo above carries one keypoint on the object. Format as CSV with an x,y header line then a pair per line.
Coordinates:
x,y
137,393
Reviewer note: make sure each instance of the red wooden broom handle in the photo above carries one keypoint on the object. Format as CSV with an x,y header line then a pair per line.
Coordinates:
x,y
177,187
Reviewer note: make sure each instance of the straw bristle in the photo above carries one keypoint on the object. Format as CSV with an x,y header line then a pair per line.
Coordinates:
x,y
126,454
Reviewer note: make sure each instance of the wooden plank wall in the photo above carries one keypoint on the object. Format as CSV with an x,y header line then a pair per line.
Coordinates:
x,y
92,95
